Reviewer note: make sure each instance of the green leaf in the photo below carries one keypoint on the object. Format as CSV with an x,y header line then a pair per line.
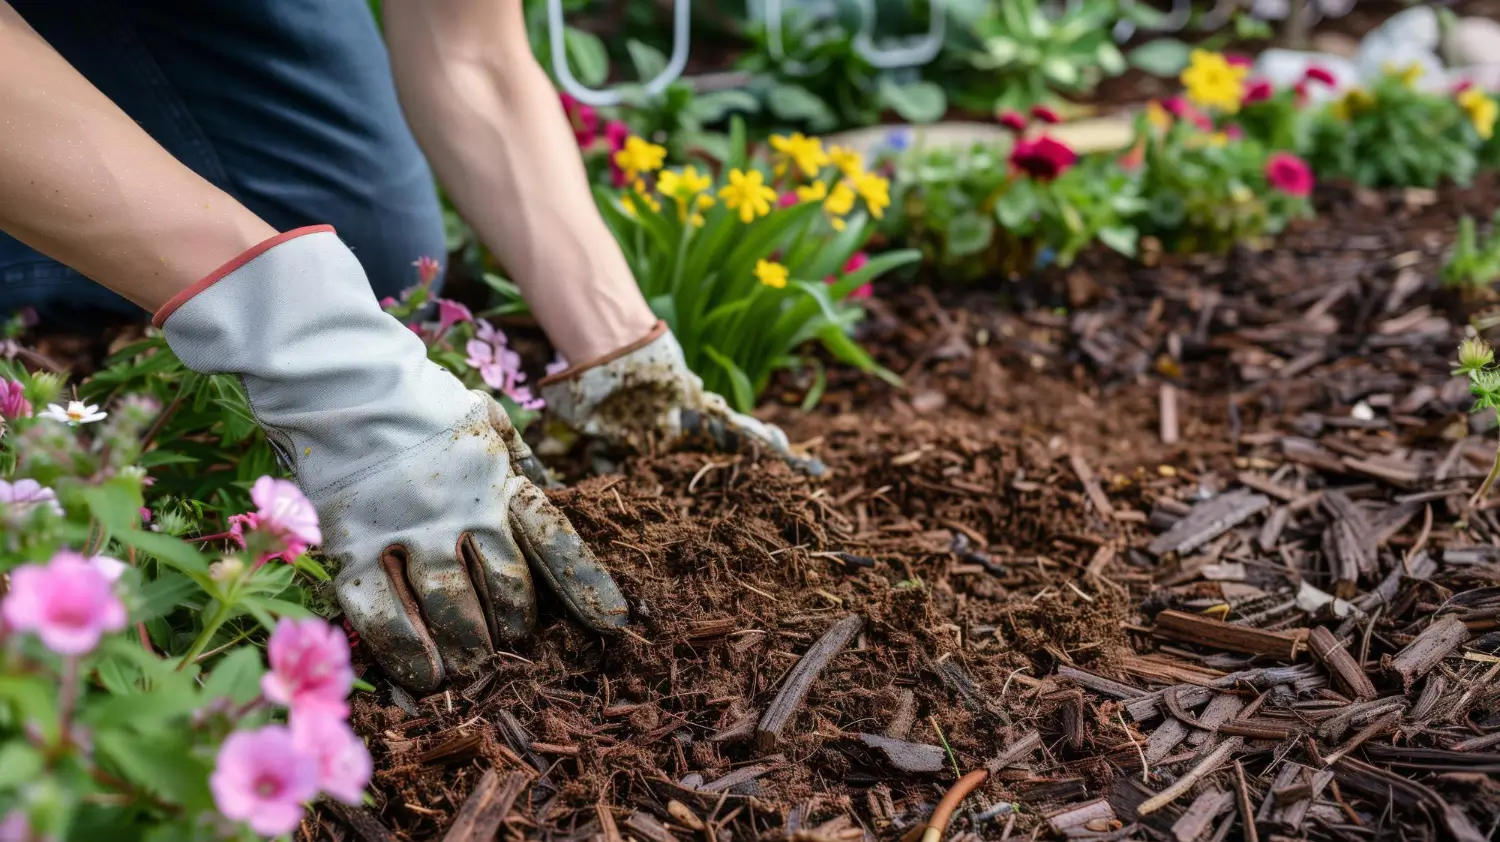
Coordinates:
x,y
19,763
1121,238
744,394
795,103
1015,207
649,61
170,551
33,700
116,503
969,233
1161,57
170,696
1061,71
162,595
236,676
162,763
586,56
716,105
917,102
1110,59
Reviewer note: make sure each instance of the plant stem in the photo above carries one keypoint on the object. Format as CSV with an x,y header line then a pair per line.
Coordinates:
x,y
1489,481
67,700
219,618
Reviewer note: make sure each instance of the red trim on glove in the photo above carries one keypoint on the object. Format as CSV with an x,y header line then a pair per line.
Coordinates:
x,y
574,371
181,298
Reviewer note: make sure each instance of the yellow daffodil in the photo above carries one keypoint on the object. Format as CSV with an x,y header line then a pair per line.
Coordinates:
x,y
747,193
839,203
1212,82
806,152
639,156
1482,111
815,192
876,192
849,162
1354,102
685,188
773,275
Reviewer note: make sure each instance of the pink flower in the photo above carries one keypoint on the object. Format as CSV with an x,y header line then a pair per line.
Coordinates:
x,y
262,779
1258,90
286,514
387,303
787,199
499,366
615,133
1043,159
1234,132
1180,108
1300,90
23,494
427,269
145,515
583,118
557,366
15,827
1319,74
1289,174
342,760
1457,89
70,603
451,313
310,670
1238,60
13,403
1045,114
855,263
1013,120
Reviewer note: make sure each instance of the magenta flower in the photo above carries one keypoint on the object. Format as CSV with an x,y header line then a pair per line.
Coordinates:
x,y
582,118
388,302
13,403
451,313
855,263
615,133
310,670
1043,159
262,779
23,494
343,762
70,603
1238,60
787,200
1013,120
427,269
1045,114
286,514
1289,174
1257,90
1319,74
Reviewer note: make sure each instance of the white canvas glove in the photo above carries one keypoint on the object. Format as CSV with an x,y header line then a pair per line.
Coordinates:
x,y
644,396
418,482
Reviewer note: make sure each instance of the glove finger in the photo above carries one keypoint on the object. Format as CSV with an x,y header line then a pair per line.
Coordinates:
x,y
498,570
565,563
729,431
440,580
520,452
380,607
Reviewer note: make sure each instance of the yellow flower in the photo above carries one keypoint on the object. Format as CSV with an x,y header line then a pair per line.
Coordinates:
x,y
1213,82
773,275
1482,111
876,192
747,193
1157,116
815,192
685,188
1354,102
639,156
849,162
1216,140
806,152
1408,75
839,203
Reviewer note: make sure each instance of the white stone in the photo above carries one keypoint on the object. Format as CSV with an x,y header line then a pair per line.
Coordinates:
x,y
1472,41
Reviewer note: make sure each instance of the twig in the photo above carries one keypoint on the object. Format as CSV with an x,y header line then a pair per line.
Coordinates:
x,y
1185,783
1247,812
1145,767
800,680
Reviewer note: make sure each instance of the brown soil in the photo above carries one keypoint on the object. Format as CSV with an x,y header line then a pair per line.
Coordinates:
x,y
990,524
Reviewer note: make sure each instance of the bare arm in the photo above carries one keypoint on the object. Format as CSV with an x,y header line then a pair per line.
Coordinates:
x,y
491,124
82,183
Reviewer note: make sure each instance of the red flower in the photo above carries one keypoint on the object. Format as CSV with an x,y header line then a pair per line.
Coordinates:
x,y
583,118
1013,120
1258,90
1289,174
1319,74
1045,114
1238,60
1463,86
855,263
1043,159
1301,91
615,133
1179,108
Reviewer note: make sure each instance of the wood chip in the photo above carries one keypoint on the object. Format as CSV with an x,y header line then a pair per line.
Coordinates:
x,y
1339,662
911,758
1200,815
1435,643
1082,817
1206,631
485,810
1091,485
799,681
1208,520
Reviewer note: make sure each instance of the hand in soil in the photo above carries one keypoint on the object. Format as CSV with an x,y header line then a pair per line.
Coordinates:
x,y
420,485
645,397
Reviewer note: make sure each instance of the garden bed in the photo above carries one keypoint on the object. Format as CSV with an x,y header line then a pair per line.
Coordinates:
x,y
1202,437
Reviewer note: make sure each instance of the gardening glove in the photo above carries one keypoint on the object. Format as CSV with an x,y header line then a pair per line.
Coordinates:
x,y
418,482
644,396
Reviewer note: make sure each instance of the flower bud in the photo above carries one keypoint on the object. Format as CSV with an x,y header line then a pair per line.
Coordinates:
x,y
1473,354
226,568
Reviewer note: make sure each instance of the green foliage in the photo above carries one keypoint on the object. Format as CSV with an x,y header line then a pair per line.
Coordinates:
x,y
1474,263
1013,55
743,294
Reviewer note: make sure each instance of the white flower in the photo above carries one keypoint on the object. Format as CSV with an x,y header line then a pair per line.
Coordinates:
x,y
77,413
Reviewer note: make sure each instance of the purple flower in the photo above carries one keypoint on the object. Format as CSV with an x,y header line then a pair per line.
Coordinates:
x,y
498,366
70,603
23,494
13,403
262,779
15,827
310,670
343,762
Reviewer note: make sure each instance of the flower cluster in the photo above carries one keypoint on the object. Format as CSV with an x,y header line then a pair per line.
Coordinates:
x,y
500,367
283,516
1044,157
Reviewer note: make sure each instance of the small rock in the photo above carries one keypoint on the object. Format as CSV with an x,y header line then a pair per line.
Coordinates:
x,y
1362,412
1415,27
1472,41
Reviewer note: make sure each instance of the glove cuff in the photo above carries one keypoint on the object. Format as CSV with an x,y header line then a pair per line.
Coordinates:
x,y
575,371
181,298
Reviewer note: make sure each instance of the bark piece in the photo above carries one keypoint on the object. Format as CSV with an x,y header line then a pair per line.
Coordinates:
x,y
1435,643
647,827
733,779
1208,520
485,810
1339,662
1094,815
907,757
1099,684
1199,816
1024,745
800,680
1206,631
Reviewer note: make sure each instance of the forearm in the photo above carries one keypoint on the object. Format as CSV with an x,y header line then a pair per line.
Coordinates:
x,y
490,123
82,183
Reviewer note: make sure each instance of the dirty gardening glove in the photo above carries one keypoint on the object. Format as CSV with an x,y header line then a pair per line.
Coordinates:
x,y
644,395
423,505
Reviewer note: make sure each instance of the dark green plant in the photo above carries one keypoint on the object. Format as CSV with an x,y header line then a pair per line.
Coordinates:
x,y
1474,263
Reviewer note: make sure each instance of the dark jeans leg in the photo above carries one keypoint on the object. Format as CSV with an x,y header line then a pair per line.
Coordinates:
x,y
287,105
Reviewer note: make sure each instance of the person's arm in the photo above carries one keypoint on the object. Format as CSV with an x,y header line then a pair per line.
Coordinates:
x,y
494,131
81,183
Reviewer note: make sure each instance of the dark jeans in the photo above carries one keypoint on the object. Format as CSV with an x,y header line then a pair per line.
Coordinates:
x,y
287,105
